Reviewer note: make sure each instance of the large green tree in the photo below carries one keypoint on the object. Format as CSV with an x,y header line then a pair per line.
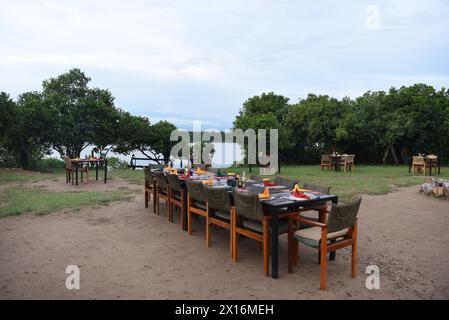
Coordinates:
x,y
26,128
267,111
137,134
84,115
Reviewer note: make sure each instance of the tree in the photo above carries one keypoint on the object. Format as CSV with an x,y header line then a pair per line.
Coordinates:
x,y
83,115
7,120
25,128
267,111
153,141
160,139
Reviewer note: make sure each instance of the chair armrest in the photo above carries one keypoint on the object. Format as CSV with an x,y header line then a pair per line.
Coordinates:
x,y
307,221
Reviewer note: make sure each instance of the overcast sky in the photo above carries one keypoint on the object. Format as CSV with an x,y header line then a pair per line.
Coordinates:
x,y
199,60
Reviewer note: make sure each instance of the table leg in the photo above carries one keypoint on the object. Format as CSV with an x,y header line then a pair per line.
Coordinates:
x,y
76,174
96,170
105,171
274,243
184,211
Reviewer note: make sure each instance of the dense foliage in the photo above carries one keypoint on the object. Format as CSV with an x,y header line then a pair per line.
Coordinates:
x,y
378,127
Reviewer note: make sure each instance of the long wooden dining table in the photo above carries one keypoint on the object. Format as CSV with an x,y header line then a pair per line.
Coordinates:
x,y
276,205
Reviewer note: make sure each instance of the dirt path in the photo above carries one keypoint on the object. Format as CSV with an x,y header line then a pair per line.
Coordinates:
x,y
126,251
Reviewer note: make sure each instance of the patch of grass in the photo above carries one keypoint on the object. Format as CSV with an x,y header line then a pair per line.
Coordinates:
x,y
18,200
133,176
7,176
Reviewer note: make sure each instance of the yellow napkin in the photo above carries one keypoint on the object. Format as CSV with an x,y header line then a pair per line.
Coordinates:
x,y
208,182
265,194
199,171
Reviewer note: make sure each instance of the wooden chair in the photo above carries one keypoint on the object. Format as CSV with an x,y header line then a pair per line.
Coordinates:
x,y
150,187
248,219
218,211
347,161
322,210
339,232
196,204
326,162
68,170
432,162
162,190
419,163
176,196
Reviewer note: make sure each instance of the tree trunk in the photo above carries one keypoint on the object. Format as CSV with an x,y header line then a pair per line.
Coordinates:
x,y
395,157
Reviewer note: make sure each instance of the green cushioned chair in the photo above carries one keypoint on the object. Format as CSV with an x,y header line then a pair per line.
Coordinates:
x,y
219,211
150,187
248,219
196,202
176,196
339,232
162,190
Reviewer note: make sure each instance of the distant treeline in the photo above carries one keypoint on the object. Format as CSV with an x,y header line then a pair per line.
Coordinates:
x,y
378,127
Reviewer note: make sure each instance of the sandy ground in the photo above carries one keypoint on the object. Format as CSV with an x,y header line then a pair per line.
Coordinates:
x,y
125,251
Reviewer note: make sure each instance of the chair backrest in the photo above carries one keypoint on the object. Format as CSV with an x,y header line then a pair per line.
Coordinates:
x,y
161,180
325,158
286,182
350,158
149,176
218,198
316,188
418,160
212,170
248,205
343,216
68,163
256,179
196,190
156,166
174,182
202,166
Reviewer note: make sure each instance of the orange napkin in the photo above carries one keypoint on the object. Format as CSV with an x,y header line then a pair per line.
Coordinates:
x,y
265,194
297,189
199,171
208,182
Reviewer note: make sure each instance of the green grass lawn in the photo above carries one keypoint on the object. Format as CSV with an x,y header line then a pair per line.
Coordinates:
x,y
28,176
18,196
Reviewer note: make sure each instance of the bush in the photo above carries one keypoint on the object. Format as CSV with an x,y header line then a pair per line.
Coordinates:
x,y
116,163
49,164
